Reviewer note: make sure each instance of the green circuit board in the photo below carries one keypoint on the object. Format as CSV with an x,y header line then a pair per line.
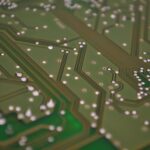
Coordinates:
x,y
74,74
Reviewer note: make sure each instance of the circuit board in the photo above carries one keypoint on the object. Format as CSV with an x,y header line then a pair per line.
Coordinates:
x,y
74,74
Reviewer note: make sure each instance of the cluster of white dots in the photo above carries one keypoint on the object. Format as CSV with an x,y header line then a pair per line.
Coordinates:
x,y
48,6
145,60
9,4
69,4
143,91
48,107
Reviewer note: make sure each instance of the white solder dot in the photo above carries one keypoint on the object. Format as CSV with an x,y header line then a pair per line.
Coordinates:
x,y
18,108
51,76
28,148
35,93
36,43
19,74
62,112
94,105
28,113
127,112
30,88
2,121
47,112
124,44
96,92
82,102
31,99
42,107
93,125
68,68
108,136
146,122
20,116
98,53
36,28
59,129
45,27
3,15
51,127
76,77
11,108
23,79
50,47
67,75
17,67
2,54
50,104
134,112
44,62
102,131
50,139
28,49
33,118
64,82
